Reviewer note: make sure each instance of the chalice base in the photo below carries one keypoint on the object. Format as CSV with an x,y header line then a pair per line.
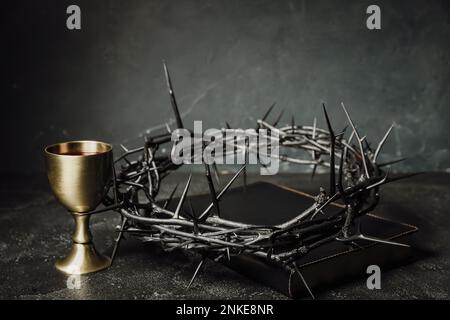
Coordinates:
x,y
82,259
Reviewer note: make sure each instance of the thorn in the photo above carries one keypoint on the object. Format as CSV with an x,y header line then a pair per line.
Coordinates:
x,y
173,101
403,176
313,152
279,118
170,197
355,245
244,175
351,137
183,197
268,111
314,127
379,182
341,170
391,162
313,172
168,128
116,195
341,134
332,155
196,272
304,281
216,172
212,190
204,214
119,238
363,237
293,123
367,144
371,239
230,182
380,145
191,208
228,125
194,217
123,148
244,179
359,140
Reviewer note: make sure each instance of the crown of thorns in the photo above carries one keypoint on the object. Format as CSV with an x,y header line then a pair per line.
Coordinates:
x,y
355,178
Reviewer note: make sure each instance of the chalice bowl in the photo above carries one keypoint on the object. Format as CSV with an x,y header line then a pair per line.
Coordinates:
x,y
80,173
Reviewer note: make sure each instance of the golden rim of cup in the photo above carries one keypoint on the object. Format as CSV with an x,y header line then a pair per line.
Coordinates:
x,y
78,148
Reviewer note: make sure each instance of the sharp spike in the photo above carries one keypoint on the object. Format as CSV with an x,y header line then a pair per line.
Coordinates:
x,y
191,208
313,173
196,272
279,118
332,155
230,182
391,162
123,148
341,134
244,179
116,193
268,111
205,213
212,190
314,127
228,125
193,217
351,137
367,144
173,101
182,198
216,172
168,128
371,239
244,175
304,281
380,145
293,123
119,238
379,182
363,237
403,176
359,140
340,175
313,152
170,197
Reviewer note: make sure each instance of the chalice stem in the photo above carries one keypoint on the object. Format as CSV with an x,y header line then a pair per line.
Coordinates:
x,y
82,232
83,257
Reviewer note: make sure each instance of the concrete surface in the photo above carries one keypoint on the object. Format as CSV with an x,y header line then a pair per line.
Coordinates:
x,y
35,230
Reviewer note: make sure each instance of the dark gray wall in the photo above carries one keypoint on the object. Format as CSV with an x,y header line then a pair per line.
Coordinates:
x,y
229,61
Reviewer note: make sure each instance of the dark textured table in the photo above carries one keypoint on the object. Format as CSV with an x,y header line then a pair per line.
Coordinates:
x,y
35,230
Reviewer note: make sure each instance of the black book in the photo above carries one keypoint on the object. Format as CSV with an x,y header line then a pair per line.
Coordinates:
x,y
326,266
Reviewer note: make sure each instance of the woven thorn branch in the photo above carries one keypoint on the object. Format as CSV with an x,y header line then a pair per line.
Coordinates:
x,y
356,185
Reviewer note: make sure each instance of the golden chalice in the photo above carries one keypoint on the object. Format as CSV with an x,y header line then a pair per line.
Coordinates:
x,y
79,173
